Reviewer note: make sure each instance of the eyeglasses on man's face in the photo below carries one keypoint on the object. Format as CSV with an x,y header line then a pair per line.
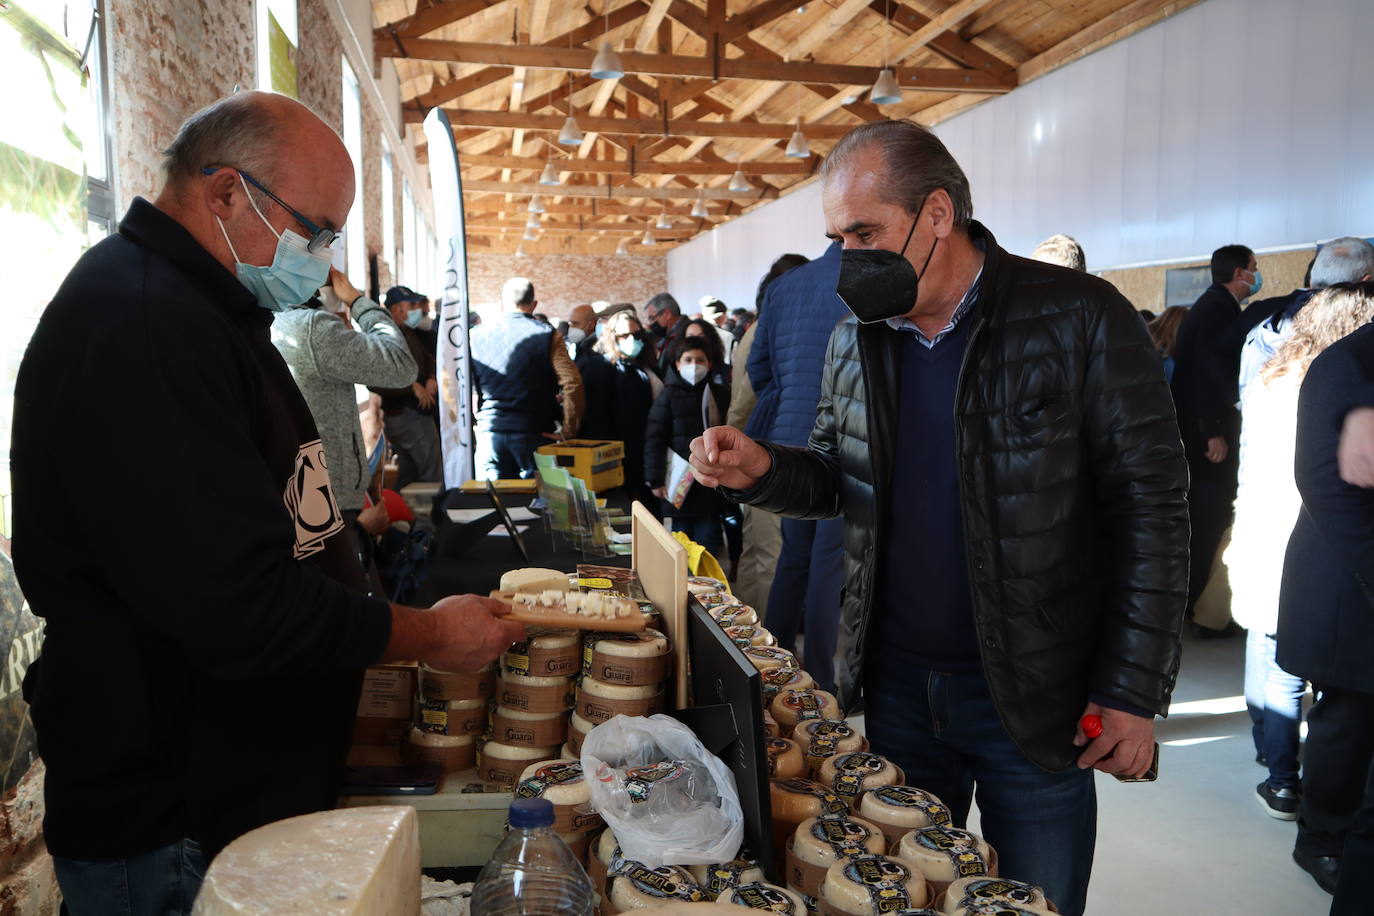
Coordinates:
x,y
319,236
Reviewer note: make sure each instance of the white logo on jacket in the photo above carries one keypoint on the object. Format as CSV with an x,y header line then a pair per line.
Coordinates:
x,y
310,500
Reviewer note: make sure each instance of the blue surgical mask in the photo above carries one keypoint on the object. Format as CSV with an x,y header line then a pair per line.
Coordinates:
x,y
294,274
631,346
1256,283
414,317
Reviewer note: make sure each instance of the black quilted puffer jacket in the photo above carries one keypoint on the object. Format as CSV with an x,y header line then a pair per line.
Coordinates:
x,y
1073,487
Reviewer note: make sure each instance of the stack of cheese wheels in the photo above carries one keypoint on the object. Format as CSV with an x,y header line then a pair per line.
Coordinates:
x,y
637,887
898,810
502,764
946,854
622,674
969,894
564,785
453,714
774,681
453,753
792,706
545,653
745,635
578,729
869,885
785,758
850,775
715,880
821,739
762,896
795,800
820,842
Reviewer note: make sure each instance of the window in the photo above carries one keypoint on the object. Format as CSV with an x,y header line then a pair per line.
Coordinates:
x,y
277,43
409,246
389,211
355,244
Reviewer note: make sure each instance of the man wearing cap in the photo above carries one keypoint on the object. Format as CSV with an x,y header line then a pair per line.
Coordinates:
x,y
201,669
406,416
714,311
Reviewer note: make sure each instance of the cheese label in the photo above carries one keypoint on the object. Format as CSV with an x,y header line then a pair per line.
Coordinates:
x,y
640,781
763,897
907,797
518,658
666,883
731,614
723,877
555,774
884,879
595,582
959,845
848,838
830,802
742,636
1000,890
771,653
853,770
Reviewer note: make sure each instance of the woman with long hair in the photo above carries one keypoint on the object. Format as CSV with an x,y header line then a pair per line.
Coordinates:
x,y
1164,332
620,385
700,327
1267,506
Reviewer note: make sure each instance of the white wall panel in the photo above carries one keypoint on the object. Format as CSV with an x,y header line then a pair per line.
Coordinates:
x,y
1244,121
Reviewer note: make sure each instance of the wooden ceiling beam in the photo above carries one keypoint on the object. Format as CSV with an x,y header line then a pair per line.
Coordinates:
x,y
648,26
427,20
936,27
583,207
638,167
757,16
749,130
949,45
609,193
625,229
928,79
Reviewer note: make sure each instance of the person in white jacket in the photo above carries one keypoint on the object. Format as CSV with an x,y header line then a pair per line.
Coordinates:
x,y
1267,506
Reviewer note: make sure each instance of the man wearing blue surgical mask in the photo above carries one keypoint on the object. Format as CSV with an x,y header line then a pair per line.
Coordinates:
x,y
407,411
210,631
998,438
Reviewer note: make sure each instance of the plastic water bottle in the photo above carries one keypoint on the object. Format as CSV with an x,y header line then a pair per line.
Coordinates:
x,y
532,872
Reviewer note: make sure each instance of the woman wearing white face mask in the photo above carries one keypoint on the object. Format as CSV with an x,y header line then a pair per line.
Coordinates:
x,y
620,384
688,404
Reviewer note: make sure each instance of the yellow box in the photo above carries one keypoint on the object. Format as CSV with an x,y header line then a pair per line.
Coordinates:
x,y
599,463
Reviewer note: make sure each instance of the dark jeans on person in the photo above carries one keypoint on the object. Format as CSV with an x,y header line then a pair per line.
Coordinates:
x,y
163,882
1357,862
1211,495
806,593
1336,761
704,529
416,440
1273,697
944,732
507,455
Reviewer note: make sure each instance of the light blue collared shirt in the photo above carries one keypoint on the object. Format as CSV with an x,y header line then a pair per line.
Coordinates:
x,y
965,304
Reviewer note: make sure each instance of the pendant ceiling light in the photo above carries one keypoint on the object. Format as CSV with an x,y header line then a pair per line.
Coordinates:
x,y
739,183
699,210
537,203
648,238
571,134
886,91
549,176
623,247
530,235
520,250
796,147
532,222
663,221
606,65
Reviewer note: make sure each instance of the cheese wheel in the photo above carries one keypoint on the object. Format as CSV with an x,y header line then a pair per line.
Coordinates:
x,y
820,842
770,726
866,885
901,809
765,657
850,775
775,680
762,896
349,862
715,880
562,783
578,728
732,615
456,685
821,739
604,850
598,702
534,579
454,717
696,909
534,694
627,659
501,764
785,758
792,706
793,801
453,753
545,653
636,887
697,585
746,635
946,854
966,893
531,729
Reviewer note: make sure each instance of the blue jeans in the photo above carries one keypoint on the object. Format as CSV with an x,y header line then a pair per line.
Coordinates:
x,y
163,882
507,455
705,530
806,593
1273,698
944,732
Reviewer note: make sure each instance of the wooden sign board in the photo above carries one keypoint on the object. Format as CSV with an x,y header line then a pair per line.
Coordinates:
x,y
661,563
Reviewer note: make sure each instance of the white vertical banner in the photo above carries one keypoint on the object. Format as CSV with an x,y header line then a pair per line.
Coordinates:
x,y
453,364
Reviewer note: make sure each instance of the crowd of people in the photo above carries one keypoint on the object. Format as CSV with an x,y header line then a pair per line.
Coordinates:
x,y
976,490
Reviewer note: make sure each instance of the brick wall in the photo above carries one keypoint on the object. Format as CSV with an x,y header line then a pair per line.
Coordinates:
x,y
319,75
562,281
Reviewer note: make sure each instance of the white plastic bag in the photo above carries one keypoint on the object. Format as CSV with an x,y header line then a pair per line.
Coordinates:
x,y
668,800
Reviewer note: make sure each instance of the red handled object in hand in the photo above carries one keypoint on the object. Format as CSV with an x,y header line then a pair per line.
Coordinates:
x,y
1092,727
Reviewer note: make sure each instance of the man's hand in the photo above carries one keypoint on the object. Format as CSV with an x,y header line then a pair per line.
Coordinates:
x,y
469,633
1126,746
422,395
1355,453
1216,449
374,519
432,386
345,290
660,492
725,457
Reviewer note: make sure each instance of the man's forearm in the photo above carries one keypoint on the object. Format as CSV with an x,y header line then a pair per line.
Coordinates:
x,y
412,634
801,483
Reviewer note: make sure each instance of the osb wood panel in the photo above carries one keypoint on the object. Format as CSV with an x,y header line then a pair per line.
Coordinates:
x,y
319,74
564,281
1144,286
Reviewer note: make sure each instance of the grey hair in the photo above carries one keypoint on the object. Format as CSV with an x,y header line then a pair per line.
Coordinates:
x,y
664,302
1347,260
917,165
1063,250
239,131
